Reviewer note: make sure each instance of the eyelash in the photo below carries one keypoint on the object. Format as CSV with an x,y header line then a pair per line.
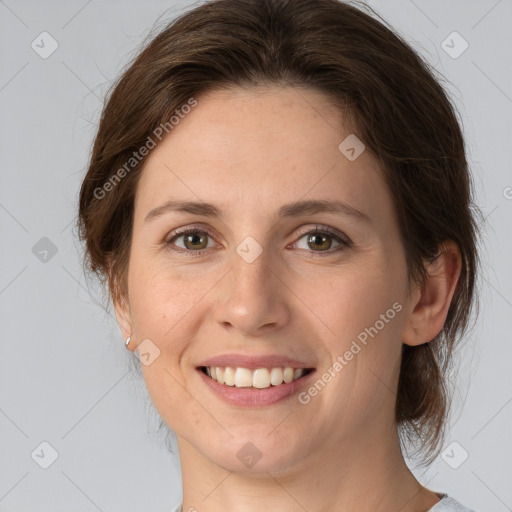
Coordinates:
x,y
343,240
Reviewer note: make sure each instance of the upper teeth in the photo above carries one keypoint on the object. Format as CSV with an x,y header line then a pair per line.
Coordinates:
x,y
259,378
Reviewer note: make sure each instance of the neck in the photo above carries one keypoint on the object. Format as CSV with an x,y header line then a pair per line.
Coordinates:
x,y
340,477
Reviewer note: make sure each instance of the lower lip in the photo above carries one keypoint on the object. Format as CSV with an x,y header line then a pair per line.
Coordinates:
x,y
253,397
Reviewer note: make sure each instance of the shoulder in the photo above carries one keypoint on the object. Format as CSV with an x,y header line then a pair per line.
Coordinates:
x,y
448,504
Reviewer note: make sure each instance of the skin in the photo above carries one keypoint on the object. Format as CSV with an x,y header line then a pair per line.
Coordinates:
x,y
250,151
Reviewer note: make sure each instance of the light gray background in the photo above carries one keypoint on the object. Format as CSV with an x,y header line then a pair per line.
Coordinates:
x,y
64,374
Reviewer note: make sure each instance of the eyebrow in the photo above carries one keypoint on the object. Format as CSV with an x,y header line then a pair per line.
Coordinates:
x,y
296,209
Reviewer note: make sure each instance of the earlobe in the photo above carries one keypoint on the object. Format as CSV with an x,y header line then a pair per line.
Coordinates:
x,y
431,302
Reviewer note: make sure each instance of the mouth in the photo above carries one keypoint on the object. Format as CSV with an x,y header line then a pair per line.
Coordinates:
x,y
244,380
255,378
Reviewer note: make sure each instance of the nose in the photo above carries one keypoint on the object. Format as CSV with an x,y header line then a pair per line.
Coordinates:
x,y
253,298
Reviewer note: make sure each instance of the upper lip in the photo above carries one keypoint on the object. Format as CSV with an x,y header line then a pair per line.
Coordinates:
x,y
245,361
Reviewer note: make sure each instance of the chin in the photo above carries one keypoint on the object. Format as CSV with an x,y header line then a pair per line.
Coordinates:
x,y
257,455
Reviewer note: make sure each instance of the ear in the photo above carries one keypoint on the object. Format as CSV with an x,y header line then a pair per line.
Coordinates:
x,y
124,316
121,302
430,302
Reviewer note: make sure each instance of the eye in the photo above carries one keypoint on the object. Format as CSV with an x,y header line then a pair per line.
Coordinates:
x,y
194,240
320,240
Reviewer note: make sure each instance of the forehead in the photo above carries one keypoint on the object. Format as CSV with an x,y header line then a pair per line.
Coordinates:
x,y
257,147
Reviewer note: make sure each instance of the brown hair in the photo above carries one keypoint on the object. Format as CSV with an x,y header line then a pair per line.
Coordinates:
x,y
398,107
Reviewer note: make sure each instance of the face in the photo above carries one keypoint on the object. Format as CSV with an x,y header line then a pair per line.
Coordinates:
x,y
262,282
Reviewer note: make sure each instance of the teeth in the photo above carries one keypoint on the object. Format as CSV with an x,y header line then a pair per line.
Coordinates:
x,y
243,378
298,373
276,376
260,378
229,376
288,375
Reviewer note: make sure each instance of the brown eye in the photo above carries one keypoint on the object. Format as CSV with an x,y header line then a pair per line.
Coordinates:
x,y
193,240
318,241
322,242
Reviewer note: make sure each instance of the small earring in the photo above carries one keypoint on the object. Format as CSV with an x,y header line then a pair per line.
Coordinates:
x,y
127,342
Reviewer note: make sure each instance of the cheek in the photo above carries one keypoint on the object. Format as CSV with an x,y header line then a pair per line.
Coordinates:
x,y
354,299
171,304
367,317
160,298
366,313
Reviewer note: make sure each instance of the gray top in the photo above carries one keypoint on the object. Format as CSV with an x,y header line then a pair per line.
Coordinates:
x,y
446,504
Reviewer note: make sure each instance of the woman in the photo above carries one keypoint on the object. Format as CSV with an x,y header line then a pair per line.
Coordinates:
x,y
279,201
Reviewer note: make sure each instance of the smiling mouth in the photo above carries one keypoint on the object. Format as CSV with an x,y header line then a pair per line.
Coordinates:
x,y
258,378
